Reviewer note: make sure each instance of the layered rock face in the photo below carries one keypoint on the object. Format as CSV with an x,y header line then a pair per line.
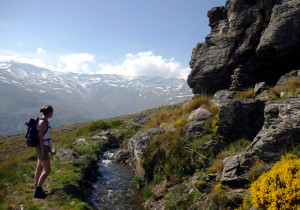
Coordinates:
x,y
280,131
250,41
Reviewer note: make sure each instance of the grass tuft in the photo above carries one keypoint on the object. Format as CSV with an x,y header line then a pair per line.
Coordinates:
x,y
289,89
244,94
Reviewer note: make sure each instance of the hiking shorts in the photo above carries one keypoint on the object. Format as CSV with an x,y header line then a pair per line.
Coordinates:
x,y
38,151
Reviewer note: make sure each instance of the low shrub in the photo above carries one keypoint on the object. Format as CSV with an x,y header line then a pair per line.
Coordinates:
x,y
92,127
214,123
279,188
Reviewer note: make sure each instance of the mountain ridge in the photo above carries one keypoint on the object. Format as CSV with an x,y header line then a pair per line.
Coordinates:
x,y
79,97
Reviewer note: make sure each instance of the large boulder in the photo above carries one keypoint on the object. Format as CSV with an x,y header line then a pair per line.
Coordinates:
x,y
241,118
250,41
235,171
223,97
280,42
235,33
121,156
137,143
280,131
285,79
196,123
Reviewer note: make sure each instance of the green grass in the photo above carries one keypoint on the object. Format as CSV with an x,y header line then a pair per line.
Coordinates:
x,y
17,169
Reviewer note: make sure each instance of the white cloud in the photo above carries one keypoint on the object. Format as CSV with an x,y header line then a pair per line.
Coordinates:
x,y
78,63
33,61
41,51
146,64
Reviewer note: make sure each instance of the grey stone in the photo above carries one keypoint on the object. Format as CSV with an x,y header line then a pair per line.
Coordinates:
x,y
235,169
137,143
63,153
141,119
280,130
241,118
285,79
259,87
280,42
200,114
248,43
196,122
121,156
81,141
224,97
235,32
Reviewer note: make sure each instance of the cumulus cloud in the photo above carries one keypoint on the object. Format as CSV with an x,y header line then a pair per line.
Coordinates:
x,y
78,63
146,64
41,51
33,61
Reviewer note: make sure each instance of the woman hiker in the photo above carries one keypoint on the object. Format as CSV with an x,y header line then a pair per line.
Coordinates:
x,y
42,151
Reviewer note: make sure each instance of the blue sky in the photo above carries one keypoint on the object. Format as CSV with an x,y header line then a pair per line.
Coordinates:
x,y
133,37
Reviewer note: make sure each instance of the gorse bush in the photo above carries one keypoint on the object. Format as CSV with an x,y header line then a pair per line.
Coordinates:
x,y
214,123
279,188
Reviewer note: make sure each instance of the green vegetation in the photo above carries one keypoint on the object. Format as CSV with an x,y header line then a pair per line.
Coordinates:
x,y
176,166
67,183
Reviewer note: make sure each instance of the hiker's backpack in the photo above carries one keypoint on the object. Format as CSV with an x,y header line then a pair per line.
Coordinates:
x,y
32,134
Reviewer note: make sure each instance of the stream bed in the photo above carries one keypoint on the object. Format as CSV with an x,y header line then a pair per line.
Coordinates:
x,y
115,188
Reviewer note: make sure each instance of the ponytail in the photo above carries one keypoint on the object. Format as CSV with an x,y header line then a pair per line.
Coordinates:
x,y
46,109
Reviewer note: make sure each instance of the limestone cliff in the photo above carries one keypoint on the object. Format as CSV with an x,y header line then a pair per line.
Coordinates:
x,y
250,41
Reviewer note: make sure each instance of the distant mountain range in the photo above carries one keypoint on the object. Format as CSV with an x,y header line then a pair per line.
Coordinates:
x,y
78,97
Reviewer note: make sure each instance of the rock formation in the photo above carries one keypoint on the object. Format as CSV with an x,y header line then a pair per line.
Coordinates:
x,y
196,122
250,41
137,144
240,118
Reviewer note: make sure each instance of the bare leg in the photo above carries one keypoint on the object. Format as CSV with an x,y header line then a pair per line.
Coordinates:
x,y
38,172
47,170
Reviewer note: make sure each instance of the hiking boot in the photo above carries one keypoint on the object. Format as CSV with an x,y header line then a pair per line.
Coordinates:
x,y
39,193
45,191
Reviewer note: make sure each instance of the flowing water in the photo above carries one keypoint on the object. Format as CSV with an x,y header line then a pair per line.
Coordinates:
x,y
115,188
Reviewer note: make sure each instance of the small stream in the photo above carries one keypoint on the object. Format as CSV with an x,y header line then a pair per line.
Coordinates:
x,y
115,188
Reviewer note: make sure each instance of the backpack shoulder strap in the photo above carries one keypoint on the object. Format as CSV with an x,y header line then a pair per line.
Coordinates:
x,y
47,125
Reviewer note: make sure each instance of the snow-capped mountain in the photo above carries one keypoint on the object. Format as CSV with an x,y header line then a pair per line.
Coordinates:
x,y
78,97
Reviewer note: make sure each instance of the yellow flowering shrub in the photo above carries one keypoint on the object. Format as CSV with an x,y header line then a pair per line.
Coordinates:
x,y
219,188
279,188
180,122
214,123
246,205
